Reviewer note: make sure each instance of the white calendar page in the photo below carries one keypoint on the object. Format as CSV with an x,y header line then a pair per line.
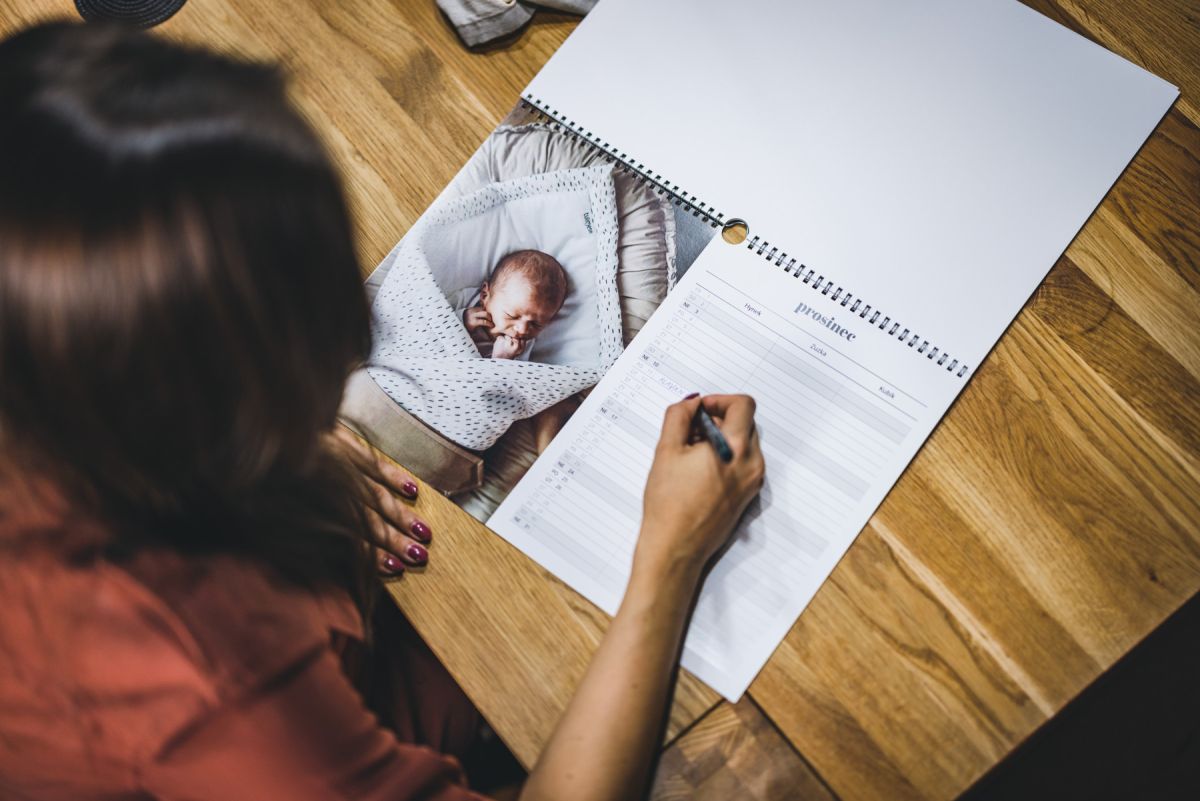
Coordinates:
x,y
839,419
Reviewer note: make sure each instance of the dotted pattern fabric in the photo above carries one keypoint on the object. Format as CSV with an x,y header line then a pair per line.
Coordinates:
x,y
425,360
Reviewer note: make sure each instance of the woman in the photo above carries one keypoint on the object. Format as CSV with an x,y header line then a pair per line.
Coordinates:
x,y
188,547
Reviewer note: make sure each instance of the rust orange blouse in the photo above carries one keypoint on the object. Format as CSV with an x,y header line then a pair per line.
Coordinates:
x,y
171,678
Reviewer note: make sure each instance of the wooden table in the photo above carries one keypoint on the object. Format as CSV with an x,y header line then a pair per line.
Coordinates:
x,y
1050,522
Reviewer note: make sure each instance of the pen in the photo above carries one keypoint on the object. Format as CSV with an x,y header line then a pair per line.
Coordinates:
x,y
714,435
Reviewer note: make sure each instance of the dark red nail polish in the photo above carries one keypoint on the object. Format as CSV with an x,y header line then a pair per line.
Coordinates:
x,y
421,531
409,489
392,565
693,395
417,554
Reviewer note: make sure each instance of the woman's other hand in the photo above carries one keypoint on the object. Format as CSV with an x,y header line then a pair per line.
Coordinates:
x,y
404,537
693,499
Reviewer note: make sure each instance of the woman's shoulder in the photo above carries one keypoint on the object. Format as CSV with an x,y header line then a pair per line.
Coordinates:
x,y
246,621
128,653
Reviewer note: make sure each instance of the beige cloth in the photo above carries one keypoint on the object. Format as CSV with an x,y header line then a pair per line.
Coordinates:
x,y
481,21
375,417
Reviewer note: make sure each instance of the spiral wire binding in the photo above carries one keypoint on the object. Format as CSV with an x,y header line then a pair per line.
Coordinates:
x,y
637,170
856,305
816,281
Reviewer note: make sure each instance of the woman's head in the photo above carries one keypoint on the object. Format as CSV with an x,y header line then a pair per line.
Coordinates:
x,y
179,297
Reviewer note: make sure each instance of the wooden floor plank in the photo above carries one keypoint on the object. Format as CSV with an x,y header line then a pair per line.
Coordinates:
x,y
735,753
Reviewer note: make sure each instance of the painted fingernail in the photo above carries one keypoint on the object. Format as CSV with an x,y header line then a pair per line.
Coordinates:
x,y
421,531
693,395
392,565
409,489
416,553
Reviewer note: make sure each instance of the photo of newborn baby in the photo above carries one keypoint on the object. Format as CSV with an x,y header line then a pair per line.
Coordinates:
x,y
507,301
520,297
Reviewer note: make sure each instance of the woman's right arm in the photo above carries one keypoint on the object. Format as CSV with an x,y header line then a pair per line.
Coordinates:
x,y
307,735
607,740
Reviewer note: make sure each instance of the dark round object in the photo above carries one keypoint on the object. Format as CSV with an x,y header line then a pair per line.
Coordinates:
x,y
139,13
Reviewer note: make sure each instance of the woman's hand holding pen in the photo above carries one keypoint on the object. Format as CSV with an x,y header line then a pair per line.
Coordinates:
x,y
604,746
693,498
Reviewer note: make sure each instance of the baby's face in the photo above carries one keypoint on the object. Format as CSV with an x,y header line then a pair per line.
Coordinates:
x,y
516,309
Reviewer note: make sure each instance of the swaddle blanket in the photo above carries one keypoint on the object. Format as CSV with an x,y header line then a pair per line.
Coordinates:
x,y
423,357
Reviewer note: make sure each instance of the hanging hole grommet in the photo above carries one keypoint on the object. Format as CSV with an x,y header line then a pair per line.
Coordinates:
x,y
735,231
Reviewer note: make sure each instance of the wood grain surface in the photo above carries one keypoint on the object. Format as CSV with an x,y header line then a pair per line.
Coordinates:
x,y
1050,522
735,753
1053,518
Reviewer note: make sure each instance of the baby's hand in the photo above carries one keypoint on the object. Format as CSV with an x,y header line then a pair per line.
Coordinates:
x,y
507,347
478,323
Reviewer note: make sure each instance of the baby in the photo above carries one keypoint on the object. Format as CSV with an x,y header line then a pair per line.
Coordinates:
x,y
515,304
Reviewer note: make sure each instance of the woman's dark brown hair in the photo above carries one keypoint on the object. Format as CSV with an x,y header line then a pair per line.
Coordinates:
x,y
180,301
